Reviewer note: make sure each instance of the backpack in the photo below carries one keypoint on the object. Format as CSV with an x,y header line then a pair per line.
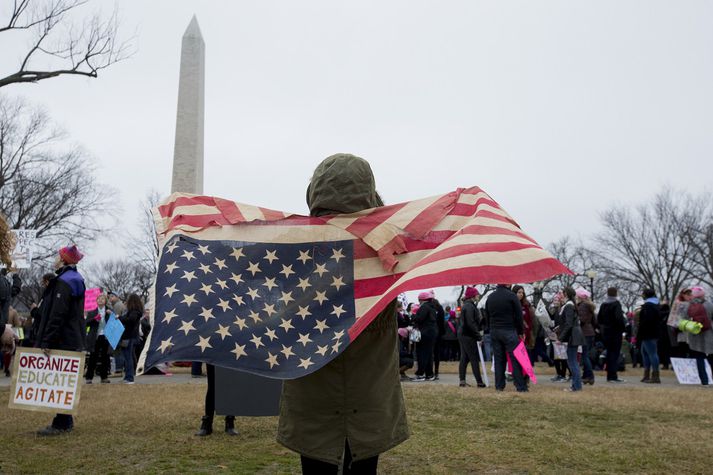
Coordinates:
x,y
697,312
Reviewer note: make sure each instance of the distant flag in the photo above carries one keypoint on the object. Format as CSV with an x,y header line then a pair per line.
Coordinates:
x,y
281,295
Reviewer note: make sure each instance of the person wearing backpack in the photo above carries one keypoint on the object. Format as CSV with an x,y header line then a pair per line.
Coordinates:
x,y
469,327
701,345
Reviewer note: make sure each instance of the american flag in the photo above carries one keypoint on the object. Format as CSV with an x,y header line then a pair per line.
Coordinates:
x,y
281,295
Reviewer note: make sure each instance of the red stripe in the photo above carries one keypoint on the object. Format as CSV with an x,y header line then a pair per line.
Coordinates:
x,y
199,221
375,285
482,230
466,209
364,225
167,209
230,210
430,241
429,217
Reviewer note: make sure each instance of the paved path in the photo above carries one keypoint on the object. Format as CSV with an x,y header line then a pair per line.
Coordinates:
x,y
632,378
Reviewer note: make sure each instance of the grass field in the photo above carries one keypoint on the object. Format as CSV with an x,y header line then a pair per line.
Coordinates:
x,y
149,429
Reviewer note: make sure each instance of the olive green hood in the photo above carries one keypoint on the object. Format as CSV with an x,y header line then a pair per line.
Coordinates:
x,y
342,183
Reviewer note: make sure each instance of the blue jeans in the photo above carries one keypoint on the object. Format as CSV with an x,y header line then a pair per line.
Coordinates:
x,y
586,362
574,368
128,354
650,353
487,347
504,342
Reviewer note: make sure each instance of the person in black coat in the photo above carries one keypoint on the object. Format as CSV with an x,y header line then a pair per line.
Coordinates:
x,y
612,324
438,346
425,321
62,320
469,328
97,343
130,337
648,334
504,314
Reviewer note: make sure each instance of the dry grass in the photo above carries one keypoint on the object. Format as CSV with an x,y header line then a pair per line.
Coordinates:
x,y
148,428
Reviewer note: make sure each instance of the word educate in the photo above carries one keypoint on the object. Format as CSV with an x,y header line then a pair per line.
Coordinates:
x,y
43,382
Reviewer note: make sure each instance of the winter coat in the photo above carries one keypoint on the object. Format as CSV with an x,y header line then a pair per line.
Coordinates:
x,y
62,320
470,321
504,311
358,394
587,318
93,326
611,318
571,331
649,322
703,342
426,318
7,292
440,318
130,320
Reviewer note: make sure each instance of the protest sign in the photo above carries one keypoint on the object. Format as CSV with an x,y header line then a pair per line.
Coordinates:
x,y
482,364
90,298
113,331
46,383
687,371
24,243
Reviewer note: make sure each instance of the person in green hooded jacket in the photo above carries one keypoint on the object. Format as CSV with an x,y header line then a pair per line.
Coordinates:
x,y
348,412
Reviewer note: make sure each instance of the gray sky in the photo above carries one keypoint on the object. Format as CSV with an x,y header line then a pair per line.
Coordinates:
x,y
557,109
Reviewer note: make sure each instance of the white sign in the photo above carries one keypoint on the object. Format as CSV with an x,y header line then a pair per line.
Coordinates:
x,y
687,371
24,245
46,383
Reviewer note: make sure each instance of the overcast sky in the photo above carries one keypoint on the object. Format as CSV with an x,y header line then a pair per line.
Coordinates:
x,y
557,109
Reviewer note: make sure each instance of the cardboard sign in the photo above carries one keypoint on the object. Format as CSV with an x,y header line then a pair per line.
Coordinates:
x,y
24,244
46,384
90,298
687,371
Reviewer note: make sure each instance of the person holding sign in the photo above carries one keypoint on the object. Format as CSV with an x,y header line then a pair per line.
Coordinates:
x,y
62,320
97,343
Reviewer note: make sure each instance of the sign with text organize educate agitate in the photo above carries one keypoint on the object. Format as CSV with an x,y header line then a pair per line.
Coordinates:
x,y
46,383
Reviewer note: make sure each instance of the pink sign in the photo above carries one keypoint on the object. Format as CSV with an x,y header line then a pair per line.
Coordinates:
x,y
522,357
90,298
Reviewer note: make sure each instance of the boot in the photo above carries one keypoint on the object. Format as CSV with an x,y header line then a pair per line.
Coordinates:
x,y
230,425
655,378
647,376
206,426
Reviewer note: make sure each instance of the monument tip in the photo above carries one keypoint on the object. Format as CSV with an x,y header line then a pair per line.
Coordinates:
x,y
193,30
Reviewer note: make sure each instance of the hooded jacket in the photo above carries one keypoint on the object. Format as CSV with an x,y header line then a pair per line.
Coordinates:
x,y
357,396
62,322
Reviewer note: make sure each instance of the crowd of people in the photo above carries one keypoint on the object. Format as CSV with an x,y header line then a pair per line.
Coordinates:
x,y
568,332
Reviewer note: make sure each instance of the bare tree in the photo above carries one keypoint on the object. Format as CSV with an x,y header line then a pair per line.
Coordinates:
x,y
46,184
143,247
702,239
59,45
649,246
120,276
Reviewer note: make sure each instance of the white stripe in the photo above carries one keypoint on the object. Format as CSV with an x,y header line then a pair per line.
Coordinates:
x,y
250,213
472,199
267,234
386,231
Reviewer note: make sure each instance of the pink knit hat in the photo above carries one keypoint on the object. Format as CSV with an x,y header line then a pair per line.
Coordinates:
x,y
403,332
70,254
471,292
583,293
426,295
698,292
414,308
